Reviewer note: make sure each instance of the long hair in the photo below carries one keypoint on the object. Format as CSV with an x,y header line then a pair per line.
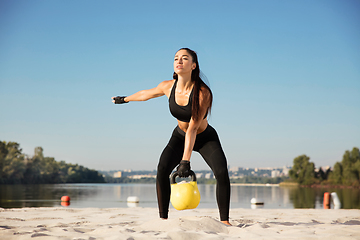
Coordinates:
x,y
199,86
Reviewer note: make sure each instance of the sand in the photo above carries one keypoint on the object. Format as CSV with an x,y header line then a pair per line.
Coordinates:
x,y
143,223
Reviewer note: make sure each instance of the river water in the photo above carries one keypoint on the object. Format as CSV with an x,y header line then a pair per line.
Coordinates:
x,y
115,196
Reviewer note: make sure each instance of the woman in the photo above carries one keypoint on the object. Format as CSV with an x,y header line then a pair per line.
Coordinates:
x,y
190,100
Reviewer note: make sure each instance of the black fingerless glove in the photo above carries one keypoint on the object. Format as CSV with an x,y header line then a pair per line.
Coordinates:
x,y
183,169
120,100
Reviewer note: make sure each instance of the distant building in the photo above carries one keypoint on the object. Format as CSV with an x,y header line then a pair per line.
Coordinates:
x,y
199,175
142,176
117,174
234,169
234,177
275,173
266,168
285,171
208,175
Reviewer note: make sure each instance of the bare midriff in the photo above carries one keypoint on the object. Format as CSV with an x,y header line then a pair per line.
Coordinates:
x,y
185,125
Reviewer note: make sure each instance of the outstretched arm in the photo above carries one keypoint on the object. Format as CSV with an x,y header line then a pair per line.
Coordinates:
x,y
145,95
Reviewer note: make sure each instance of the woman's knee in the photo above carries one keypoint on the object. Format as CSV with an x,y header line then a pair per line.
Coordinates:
x,y
162,170
165,167
221,173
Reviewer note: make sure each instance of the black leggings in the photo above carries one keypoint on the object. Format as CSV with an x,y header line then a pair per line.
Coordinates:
x,y
208,145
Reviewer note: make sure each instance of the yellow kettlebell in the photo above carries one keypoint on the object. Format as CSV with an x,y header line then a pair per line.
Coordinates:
x,y
184,195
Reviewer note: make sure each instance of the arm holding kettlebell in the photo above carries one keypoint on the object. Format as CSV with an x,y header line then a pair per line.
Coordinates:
x,y
194,125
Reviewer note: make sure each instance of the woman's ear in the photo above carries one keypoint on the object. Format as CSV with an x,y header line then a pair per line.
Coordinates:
x,y
194,66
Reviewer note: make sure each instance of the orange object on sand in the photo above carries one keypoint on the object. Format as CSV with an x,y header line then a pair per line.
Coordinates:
x,y
65,199
326,200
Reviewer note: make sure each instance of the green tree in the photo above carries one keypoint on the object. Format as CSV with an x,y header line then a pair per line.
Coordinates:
x,y
13,166
303,171
51,170
321,175
3,153
347,171
350,164
336,175
35,169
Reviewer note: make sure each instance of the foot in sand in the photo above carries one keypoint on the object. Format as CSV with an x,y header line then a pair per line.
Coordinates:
x,y
226,222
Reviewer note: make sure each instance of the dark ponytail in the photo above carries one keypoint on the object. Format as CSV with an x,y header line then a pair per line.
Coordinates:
x,y
199,85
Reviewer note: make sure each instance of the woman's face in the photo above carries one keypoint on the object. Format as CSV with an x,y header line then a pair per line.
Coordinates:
x,y
183,62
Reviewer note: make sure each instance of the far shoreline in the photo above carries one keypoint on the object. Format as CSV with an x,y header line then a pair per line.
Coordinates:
x,y
256,184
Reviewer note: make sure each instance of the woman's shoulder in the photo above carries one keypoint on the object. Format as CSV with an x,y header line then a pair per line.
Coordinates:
x,y
166,86
167,83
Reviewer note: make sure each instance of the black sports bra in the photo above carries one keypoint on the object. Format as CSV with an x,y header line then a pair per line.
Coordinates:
x,y
181,113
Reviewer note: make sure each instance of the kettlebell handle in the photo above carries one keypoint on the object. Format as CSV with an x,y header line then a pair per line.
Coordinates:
x,y
175,174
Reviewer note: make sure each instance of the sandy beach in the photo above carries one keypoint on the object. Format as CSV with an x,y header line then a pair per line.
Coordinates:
x,y
143,223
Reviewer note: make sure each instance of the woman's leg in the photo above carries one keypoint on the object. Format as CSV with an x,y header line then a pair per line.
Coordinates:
x,y
211,150
169,159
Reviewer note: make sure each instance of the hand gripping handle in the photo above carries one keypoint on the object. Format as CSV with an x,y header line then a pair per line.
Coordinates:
x,y
175,174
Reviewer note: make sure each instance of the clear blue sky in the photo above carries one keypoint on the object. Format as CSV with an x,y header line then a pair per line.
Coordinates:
x,y
285,77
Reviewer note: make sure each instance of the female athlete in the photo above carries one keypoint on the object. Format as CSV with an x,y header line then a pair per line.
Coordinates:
x,y
190,101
